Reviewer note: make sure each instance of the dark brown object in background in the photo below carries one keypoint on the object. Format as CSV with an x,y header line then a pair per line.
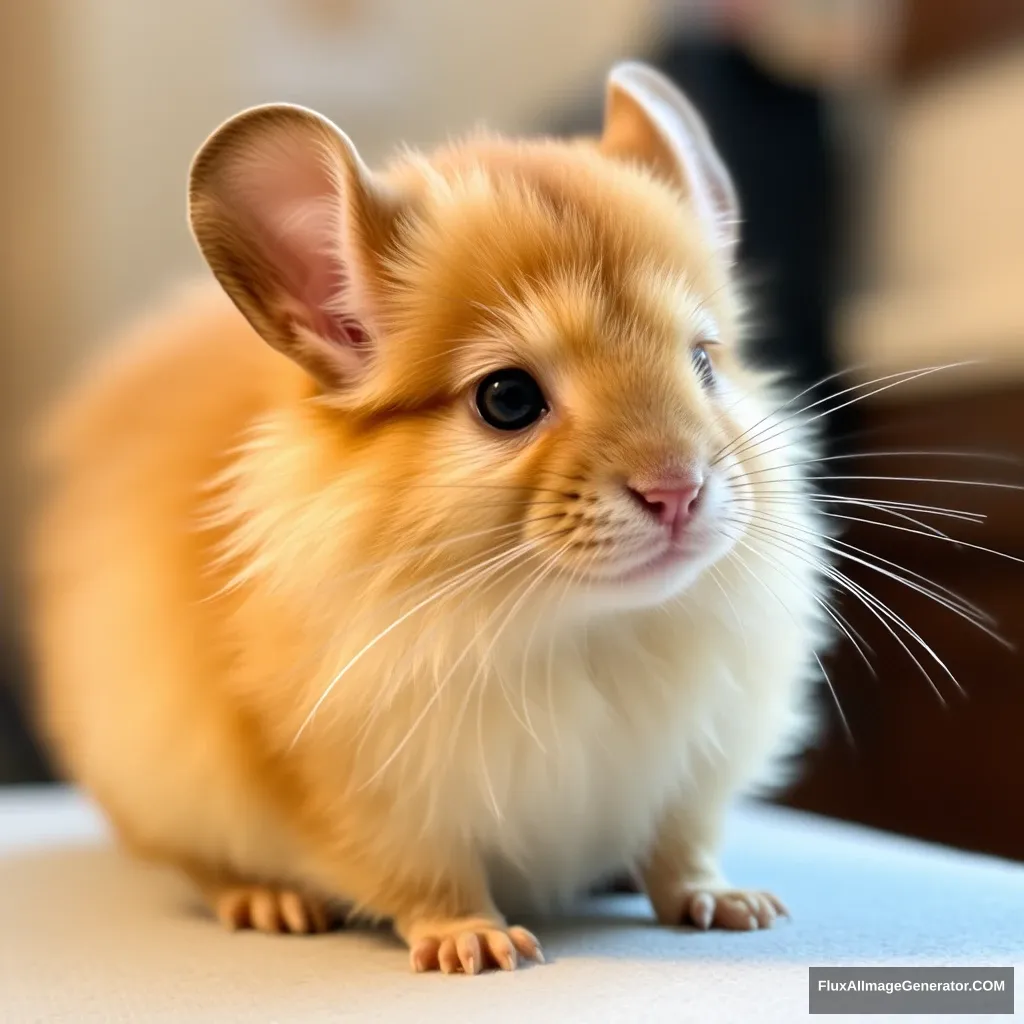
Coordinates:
x,y
21,757
952,774
937,33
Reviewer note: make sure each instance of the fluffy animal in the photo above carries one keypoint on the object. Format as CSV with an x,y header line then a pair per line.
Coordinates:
x,y
444,556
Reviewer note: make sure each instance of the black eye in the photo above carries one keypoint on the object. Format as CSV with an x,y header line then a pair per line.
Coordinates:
x,y
510,400
702,365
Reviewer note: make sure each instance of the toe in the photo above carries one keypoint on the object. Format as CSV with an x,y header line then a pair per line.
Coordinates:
x,y
470,954
526,944
424,955
500,950
232,909
701,910
293,913
264,911
472,947
735,912
763,910
448,956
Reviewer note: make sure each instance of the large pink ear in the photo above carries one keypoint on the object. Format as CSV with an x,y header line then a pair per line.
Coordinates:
x,y
649,121
296,230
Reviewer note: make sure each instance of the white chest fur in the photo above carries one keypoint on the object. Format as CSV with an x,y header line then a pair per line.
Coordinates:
x,y
557,766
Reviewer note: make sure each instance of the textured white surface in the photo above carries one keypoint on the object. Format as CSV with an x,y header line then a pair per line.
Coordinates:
x,y
87,936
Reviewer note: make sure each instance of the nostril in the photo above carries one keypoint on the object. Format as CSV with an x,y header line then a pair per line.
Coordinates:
x,y
655,505
670,505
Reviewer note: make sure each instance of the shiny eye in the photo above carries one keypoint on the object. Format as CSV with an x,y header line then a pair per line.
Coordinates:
x,y
702,365
510,400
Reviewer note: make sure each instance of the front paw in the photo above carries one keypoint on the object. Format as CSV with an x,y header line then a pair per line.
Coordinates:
x,y
720,906
470,945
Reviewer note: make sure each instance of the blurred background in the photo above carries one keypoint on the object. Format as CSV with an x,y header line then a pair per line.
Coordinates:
x,y
878,148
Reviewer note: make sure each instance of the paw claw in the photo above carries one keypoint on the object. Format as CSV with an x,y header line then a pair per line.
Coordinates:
x,y
424,955
702,910
526,944
734,909
472,949
468,946
448,956
270,910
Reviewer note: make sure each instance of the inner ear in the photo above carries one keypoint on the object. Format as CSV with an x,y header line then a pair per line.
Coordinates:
x,y
295,228
650,122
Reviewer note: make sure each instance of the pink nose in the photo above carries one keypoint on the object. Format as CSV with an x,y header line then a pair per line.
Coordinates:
x,y
671,502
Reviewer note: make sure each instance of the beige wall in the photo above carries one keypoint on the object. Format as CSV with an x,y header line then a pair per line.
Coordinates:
x,y
104,102
33,211
943,275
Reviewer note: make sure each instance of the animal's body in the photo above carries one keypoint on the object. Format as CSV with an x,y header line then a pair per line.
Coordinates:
x,y
489,577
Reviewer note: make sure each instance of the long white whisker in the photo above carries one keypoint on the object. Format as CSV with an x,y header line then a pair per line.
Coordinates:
x,y
884,614
407,555
835,696
785,405
905,377
836,616
888,510
481,668
527,721
935,591
865,598
436,595
876,454
798,498
470,577
438,691
800,394
995,484
715,575
920,533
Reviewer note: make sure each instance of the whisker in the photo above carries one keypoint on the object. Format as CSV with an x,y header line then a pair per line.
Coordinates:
x,y
841,621
920,533
785,405
996,484
878,454
878,605
529,585
905,377
483,486
435,696
528,723
715,573
834,614
407,555
953,601
835,696
436,595
889,510
875,606
798,498
460,572
881,509
527,590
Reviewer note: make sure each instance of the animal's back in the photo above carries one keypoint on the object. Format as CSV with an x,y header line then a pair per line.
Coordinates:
x,y
128,666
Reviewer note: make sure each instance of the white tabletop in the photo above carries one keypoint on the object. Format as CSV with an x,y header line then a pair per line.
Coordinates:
x,y
88,936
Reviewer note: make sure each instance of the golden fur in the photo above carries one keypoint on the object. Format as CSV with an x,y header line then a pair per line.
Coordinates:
x,y
239,651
